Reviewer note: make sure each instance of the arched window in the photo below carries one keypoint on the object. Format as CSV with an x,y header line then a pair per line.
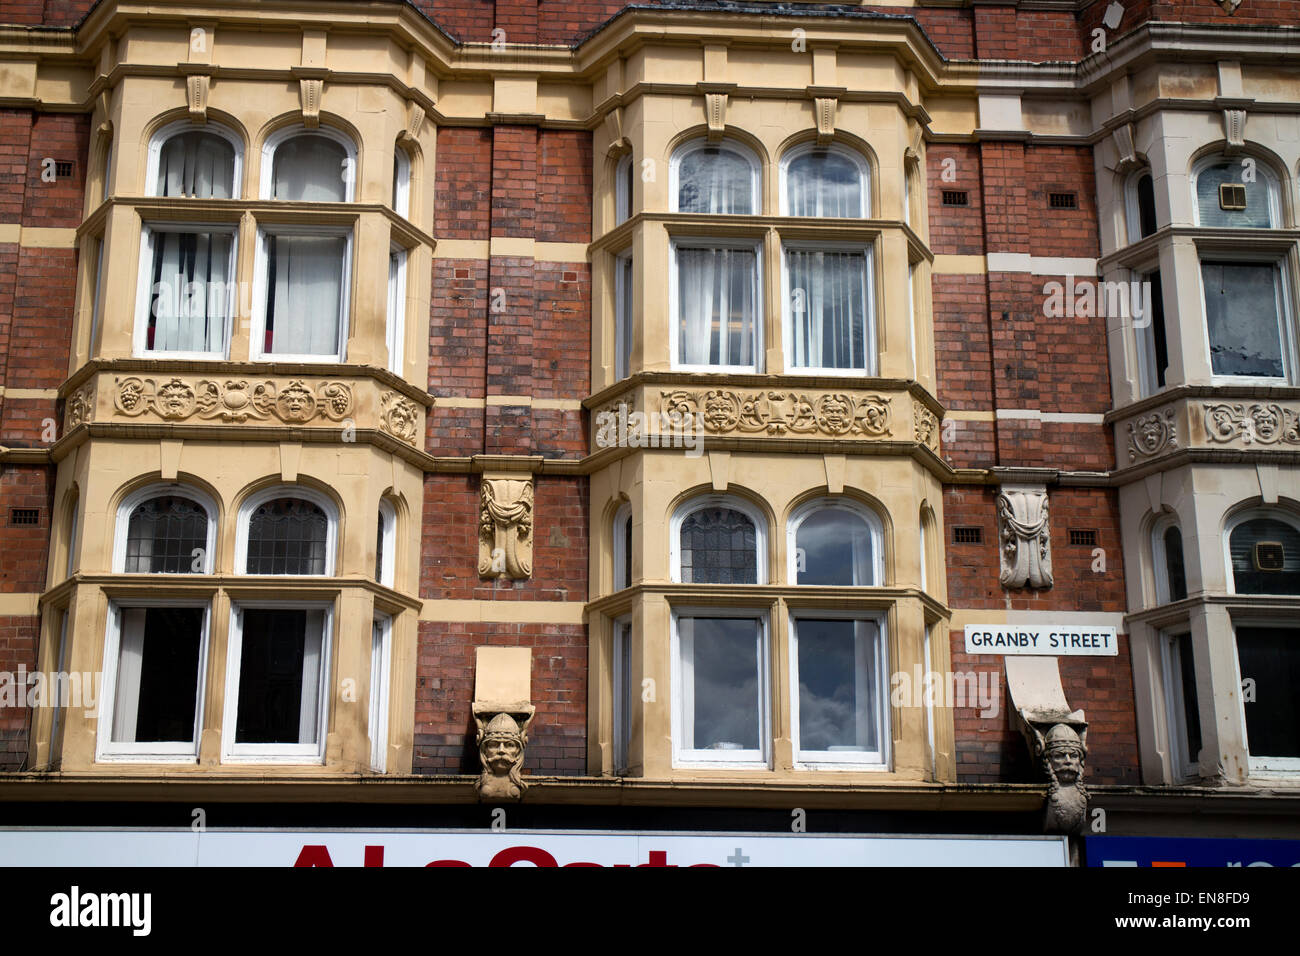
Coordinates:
x,y
386,544
165,529
717,178
286,531
316,166
824,181
1140,197
834,542
401,183
623,547
623,177
1235,192
195,162
1264,553
718,540
1167,558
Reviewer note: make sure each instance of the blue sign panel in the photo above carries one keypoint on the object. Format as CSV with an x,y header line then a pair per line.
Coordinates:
x,y
1179,851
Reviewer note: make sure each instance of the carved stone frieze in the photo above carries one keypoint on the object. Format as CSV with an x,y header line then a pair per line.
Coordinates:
x,y
505,528
399,417
1025,544
234,401
1265,423
834,414
1151,434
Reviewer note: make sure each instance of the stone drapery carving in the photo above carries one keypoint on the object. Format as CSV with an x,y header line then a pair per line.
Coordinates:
x,y
722,411
1151,434
1061,750
233,400
505,528
398,416
502,739
1024,537
1268,423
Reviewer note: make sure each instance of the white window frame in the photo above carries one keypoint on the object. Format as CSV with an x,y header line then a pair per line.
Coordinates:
x,y
144,288
265,233
1132,208
395,327
106,749
875,531
185,126
1264,765
381,657
388,556
1183,765
701,502
402,183
622,576
853,156
1262,171
624,323
1250,514
674,306
132,501
95,293
683,695
1144,337
685,149
868,306
252,502
622,194
1285,306
266,188
622,692
1159,559
232,752
836,760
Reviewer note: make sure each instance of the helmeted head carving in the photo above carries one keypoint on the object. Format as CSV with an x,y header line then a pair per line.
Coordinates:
x,y
1064,753
501,749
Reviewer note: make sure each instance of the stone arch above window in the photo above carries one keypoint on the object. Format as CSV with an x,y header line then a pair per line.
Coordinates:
x,y
718,178
165,529
196,162
718,540
824,181
834,542
286,530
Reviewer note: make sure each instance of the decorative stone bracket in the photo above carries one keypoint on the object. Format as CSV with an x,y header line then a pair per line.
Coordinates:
x,y
505,527
1056,736
502,711
1025,545
1234,128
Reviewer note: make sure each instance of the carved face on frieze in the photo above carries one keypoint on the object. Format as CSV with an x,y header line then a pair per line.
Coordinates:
x,y
1265,422
837,412
1152,432
175,399
500,753
1064,753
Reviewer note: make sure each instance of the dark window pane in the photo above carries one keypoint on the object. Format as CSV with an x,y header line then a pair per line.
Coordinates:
x,y
1257,213
1270,656
1146,200
273,658
1241,311
1247,578
1177,575
158,675
837,686
162,535
287,536
718,546
1191,709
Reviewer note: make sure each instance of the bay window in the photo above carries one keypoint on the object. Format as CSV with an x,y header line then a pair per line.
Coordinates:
x,y
718,540
1246,311
195,162
302,311
1268,656
1264,553
623,318
837,663
623,690
717,303
286,531
164,530
381,639
154,664
1182,711
395,328
827,304
834,542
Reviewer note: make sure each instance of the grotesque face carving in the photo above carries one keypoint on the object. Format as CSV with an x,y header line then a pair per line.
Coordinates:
x,y
501,750
1152,433
1265,422
500,753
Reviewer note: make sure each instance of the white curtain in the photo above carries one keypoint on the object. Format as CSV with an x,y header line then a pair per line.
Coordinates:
x,y
829,309
311,168
306,285
308,717
717,301
715,180
191,290
198,165
130,659
823,184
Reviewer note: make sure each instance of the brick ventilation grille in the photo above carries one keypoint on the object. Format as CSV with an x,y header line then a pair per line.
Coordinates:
x,y
63,169
24,516
1062,201
967,535
956,197
1083,537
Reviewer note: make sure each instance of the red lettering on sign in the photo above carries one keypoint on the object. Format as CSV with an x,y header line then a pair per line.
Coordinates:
x,y
516,854
314,856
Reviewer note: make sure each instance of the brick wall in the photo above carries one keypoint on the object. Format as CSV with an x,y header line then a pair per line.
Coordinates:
x,y
18,635
23,547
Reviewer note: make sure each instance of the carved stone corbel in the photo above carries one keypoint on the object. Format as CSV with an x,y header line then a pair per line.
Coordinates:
x,y
1234,129
824,107
502,739
1024,538
310,91
196,96
414,122
505,527
1060,747
1122,137
618,142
